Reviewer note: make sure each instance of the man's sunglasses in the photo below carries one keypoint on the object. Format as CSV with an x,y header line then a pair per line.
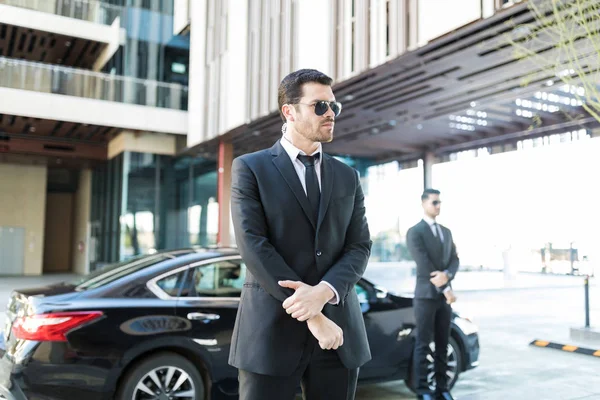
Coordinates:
x,y
322,106
436,202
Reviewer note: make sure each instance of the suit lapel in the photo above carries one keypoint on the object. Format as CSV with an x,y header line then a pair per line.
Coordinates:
x,y
327,182
286,169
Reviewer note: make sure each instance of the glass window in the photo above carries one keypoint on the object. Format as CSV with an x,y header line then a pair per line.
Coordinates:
x,y
172,284
363,298
204,279
139,220
363,295
222,279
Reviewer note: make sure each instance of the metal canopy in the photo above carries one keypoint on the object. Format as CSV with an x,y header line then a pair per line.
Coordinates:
x,y
456,93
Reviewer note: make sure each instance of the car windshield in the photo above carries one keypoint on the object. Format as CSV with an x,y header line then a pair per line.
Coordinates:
x,y
112,272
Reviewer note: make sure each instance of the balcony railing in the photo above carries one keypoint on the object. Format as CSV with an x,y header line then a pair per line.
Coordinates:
x,y
87,10
26,75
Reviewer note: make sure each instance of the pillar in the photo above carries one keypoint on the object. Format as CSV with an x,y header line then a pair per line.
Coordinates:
x,y
224,193
428,161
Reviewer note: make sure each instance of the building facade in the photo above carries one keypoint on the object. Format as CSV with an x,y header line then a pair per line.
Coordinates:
x,y
119,119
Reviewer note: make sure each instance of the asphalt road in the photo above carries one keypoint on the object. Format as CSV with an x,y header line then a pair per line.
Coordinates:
x,y
509,367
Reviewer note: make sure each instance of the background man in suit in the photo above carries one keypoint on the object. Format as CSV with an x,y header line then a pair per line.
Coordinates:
x,y
433,249
300,226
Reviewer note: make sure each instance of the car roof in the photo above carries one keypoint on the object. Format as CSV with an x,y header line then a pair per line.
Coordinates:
x,y
147,266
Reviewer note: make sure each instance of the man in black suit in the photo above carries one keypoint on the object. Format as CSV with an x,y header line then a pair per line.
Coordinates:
x,y
433,249
299,221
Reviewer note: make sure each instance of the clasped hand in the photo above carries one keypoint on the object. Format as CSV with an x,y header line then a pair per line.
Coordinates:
x,y
306,304
438,278
307,301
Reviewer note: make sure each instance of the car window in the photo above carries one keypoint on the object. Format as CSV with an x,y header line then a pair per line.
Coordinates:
x,y
232,276
172,284
363,297
221,279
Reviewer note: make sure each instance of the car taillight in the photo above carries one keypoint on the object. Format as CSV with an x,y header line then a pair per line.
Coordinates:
x,y
51,327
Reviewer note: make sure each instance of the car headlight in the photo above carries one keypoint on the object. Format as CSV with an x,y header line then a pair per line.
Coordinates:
x,y
466,326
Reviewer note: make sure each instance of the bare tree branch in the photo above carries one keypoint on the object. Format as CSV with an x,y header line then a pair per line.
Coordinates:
x,y
563,42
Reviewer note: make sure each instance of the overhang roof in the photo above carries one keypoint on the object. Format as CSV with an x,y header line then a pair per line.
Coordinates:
x,y
456,93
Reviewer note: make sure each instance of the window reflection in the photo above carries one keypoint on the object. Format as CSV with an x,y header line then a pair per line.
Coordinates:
x,y
144,203
222,279
138,222
172,284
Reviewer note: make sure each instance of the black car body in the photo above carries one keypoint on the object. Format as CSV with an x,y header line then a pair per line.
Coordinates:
x,y
159,326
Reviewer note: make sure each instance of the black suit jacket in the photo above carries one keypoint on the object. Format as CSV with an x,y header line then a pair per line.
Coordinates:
x,y
430,256
278,240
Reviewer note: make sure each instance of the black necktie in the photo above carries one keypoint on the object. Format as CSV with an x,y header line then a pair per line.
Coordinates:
x,y
438,233
312,184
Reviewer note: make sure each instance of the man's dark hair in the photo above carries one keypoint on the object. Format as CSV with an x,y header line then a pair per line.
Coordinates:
x,y
427,192
290,88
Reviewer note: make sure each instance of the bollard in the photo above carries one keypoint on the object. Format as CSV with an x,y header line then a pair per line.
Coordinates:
x,y
586,286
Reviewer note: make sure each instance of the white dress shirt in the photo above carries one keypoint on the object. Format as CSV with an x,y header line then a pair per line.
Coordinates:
x,y
430,221
433,225
293,152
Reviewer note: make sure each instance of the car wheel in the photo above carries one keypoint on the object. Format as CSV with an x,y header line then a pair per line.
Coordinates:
x,y
163,376
454,366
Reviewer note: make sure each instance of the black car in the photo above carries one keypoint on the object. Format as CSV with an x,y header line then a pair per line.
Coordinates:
x,y
159,327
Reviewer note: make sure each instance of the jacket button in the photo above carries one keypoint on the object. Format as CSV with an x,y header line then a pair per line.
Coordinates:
x,y
319,253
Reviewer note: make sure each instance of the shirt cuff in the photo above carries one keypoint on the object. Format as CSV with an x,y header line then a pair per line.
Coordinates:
x,y
336,300
447,288
448,274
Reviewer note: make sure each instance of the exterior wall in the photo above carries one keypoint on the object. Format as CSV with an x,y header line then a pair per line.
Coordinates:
x,y
24,205
181,15
439,17
242,49
142,143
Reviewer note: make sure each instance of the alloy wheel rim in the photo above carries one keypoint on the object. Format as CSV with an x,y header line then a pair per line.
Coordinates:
x,y
451,371
165,383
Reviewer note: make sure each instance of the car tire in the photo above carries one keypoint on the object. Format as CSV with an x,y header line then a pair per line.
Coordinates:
x,y
455,363
176,374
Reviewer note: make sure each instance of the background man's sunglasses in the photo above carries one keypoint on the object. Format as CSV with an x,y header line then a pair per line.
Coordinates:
x,y
436,202
322,106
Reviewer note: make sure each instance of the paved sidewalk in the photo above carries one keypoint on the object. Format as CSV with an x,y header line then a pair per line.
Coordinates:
x,y
8,283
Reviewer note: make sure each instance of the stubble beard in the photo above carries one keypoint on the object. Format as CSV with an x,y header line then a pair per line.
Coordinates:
x,y
317,135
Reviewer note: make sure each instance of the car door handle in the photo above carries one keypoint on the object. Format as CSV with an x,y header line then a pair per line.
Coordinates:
x,y
199,315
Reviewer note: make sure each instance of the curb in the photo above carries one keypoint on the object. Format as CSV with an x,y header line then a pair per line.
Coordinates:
x,y
566,347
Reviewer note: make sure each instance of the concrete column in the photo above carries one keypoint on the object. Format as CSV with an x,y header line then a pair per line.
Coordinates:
x,y
203,229
197,71
413,24
224,193
428,161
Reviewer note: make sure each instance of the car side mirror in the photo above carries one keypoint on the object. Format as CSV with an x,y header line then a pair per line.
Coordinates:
x,y
380,292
